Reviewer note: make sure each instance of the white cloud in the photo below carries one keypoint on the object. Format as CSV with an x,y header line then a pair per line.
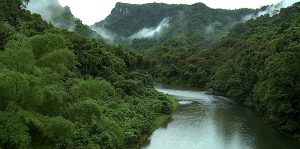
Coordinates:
x,y
39,6
271,10
151,32
91,11
104,33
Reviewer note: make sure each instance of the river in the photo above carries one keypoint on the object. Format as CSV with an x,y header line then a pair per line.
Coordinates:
x,y
212,122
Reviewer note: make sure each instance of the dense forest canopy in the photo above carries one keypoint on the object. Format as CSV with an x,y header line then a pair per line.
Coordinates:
x,y
257,64
59,89
254,61
198,23
63,87
60,17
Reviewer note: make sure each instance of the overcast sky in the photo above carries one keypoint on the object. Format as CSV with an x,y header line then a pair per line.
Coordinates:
x,y
91,11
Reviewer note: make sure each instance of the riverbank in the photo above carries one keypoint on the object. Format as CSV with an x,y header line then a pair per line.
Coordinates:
x,y
253,107
158,122
212,122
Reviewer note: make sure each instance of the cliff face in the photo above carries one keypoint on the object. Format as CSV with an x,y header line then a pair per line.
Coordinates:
x,y
197,21
126,19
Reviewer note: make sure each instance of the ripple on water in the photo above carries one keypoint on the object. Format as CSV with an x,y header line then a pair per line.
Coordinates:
x,y
212,122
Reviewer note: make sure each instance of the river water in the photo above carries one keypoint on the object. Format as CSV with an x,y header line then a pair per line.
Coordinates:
x,y
211,122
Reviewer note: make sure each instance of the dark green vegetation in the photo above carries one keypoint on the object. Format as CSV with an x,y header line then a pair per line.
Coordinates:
x,y
60,17
257,64
61,90
199,24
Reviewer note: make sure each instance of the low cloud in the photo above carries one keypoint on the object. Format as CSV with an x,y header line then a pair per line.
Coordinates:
x,y
271,10
51,11
211,28
151,32
104,33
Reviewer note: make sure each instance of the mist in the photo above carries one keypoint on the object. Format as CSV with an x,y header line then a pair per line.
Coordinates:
x,y
51,11
271,10
104,33
211,28
151,32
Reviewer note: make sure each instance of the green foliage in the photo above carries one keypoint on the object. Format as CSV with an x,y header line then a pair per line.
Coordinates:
x,y
17,87
176,63
6,33
46,132
93,88
10,11
86,111
59,61
264,68
257,64
55,100
101,134
42,44
18,55
13,131
130,87
84,30
97,60
279,91
51,51
198,24
61,90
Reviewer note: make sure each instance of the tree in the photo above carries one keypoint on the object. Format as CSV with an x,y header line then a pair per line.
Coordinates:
x,y
51,51
94,89
43,44
86,111
13,131
55,100
18,55
6,32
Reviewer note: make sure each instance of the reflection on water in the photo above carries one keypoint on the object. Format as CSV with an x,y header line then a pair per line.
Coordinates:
x,y
184,102
210,122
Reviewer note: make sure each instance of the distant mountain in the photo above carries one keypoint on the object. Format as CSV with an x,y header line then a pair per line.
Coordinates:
x,y
142,25
257,64
61,17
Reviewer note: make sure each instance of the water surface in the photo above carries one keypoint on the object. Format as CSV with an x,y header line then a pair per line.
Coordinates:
x,y
212,122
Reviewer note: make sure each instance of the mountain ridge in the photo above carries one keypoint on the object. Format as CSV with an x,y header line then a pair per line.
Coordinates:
x,y
196,20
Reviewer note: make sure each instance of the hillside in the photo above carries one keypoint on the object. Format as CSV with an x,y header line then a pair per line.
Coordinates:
x,y
59,89
60,17
64,86
144,25
256,64
259,64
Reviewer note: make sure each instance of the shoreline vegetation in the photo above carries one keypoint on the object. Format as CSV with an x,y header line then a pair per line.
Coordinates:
x,y
62,89
210,91
257,64
72,89
159,122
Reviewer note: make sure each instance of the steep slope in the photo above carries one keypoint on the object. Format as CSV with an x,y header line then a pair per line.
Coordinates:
x,y
259,65
256,64
141,24
61,90
60,17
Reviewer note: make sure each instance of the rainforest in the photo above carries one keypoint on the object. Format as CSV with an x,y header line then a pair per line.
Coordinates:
x,y
146,69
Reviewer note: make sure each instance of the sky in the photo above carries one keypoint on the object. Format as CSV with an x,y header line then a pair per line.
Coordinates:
x,y
91,11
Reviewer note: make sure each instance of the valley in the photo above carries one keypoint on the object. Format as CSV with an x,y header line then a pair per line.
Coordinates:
x,y
66,84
